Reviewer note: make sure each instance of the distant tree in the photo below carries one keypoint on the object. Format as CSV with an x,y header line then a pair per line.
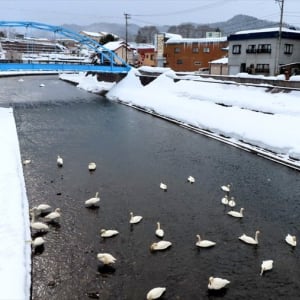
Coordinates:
x,y
146,34
107,38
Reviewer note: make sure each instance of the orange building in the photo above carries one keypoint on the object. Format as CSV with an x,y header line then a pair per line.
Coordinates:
x,y
189,54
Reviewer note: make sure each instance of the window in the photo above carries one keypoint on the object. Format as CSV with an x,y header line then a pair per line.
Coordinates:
x,y
288,48
195,50
264,48
179,62
176,50
251,49
206,50
236,49
197,63
262,68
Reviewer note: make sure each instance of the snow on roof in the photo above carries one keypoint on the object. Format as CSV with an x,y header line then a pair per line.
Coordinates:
x,y
172,35
223,60
94,34
114,45
271,29
197,40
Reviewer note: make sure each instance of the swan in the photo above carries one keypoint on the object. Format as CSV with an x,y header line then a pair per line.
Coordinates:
x,y
38,226
135,219
106,258
225,200
161,245
204,243
225,188
191,179
92,166
291,240
159,232
93,202
59,161
236,214
155,293
42,85
37,242
215,283
108,232
21,80
26,162
250,240
53,216
231,202
266,265
41,209
163,186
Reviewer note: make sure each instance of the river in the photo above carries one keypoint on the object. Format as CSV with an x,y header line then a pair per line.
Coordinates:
x,y
134,152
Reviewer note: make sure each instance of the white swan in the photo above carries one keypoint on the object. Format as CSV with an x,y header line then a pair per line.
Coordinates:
x,y
37,242
204,243
250,240
21,80
135,219
236,214
26,161
106,258
225,200
191,179
161,245
266,265
92,166
108,232
59,161
38,226
163,186
155,293
159,232
215,283
225,188
42,85
53,216
291,240
41,209
93,202
231,202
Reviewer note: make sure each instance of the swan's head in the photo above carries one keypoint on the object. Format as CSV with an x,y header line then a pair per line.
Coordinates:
x,y
57,210
153,246
102,230
131,214
210,279
257,232
242,209
198,237
294,238
232,198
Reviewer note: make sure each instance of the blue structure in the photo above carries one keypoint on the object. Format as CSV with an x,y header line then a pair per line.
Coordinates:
x,y
109,61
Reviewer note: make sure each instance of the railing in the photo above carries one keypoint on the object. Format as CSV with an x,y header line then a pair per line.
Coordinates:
x,y
264,50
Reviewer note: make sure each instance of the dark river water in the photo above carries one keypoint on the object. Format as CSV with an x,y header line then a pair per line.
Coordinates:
x,y
134,152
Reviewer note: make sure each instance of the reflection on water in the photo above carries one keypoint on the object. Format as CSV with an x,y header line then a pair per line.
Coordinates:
x,y
134,152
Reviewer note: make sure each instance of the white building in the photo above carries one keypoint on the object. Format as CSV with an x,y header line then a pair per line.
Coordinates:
x,y
261,52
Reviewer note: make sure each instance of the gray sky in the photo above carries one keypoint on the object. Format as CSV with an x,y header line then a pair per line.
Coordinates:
x,y
144,13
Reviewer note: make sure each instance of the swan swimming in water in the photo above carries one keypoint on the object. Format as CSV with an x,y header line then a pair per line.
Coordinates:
x,y
225,188
291,240
53,216
108,232
159,232
59,161
266,265
92,166
236,214
135,219
26,161
106,258
155,293
225,200
250,240
38,226
163,186
191,179
37,242
204,243
231,202
161,245
215,283
93,202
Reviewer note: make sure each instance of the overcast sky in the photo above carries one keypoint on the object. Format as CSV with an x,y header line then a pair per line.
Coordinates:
x,y
144,13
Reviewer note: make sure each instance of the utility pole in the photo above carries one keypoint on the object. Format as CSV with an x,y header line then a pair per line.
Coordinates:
x,y
276,69
127,16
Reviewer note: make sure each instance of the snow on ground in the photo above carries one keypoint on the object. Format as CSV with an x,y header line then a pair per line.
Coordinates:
x,y
15,252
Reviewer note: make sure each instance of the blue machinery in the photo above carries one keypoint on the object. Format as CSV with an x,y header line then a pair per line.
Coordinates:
x,y
109,61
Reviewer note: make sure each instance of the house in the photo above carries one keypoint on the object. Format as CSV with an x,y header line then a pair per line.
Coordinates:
x,y
219,66
261,51
192,54
146,54
123,50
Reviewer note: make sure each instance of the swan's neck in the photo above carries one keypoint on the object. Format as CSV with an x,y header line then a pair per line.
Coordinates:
x,y
32,217
256,236
158,225
96,195
199,238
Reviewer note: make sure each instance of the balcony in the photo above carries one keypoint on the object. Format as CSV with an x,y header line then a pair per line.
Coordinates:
x,y
251,50
264,50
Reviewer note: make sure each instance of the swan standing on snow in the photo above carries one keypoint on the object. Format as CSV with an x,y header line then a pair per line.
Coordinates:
x,y
155,293
106,258
93,202
159,232
163,186
135,219
250,240
161,245
225,200
204,243
236,214
53,216
108,233
59,161
231,202
215,283
38,226
191,179
92,166
291,240
266,265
